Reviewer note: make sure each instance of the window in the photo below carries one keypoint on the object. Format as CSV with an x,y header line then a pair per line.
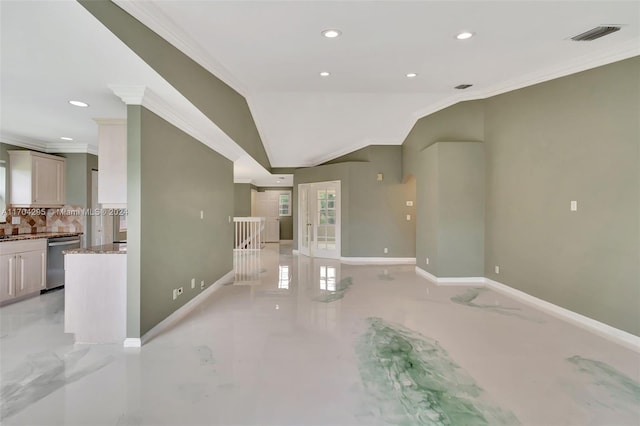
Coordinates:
x,y
284,204
3,188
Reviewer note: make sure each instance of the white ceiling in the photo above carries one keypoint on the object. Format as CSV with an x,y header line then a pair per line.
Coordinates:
x,y
272,52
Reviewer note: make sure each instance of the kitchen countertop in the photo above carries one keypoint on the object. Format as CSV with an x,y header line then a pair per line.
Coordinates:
x,y
20,237
115,248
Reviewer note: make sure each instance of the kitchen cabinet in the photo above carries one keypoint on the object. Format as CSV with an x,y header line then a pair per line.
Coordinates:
x,y
36,179
112,163
23,266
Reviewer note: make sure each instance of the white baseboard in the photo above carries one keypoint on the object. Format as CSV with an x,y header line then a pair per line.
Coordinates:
x,y
130,342
621,337
464,281
180,313
613,334
379,260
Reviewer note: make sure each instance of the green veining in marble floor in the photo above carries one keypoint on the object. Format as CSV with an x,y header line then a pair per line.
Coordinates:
x,y
468,298
413,381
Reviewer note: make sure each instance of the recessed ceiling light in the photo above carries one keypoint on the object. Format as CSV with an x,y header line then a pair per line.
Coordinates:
x,y
66,138
325,74
464,35
332,33
79,104
412,74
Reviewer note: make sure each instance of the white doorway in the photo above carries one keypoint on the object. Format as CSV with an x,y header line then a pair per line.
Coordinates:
x,y
266,205
319,219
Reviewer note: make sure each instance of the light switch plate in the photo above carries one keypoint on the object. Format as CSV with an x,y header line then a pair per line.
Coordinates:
x,y
409,203
408,217
574,206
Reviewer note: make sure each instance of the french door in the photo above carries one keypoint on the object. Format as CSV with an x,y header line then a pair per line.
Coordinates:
x,y
319,219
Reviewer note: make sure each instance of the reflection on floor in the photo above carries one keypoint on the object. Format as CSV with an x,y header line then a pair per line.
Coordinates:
x,y
299,341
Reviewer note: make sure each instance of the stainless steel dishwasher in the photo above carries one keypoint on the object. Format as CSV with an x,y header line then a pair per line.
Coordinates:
x,y
55,259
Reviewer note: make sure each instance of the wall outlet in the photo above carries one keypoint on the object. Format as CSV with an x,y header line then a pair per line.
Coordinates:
x,y
193,283
427,260
175,293
180,291
15,220
574,206
202,285
497,269
386,250
409,203
408,217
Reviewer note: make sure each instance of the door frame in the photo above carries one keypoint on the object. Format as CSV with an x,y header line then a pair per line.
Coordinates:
x,y
312,212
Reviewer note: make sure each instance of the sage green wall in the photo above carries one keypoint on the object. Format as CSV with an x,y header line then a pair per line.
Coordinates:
x,y
178,177
219,102
450,210
242,199
134,218
574,138
76,179
460,122
78,168
373,213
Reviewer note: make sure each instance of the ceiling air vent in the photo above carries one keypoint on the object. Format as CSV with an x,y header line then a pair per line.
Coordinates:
x,y
596,32
463,86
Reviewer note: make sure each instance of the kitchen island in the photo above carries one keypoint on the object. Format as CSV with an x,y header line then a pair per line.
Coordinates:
x,y
96,293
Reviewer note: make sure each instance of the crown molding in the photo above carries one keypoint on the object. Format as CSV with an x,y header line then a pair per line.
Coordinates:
x,y
130,95
24,142
50,147
584,63
71,148
153,18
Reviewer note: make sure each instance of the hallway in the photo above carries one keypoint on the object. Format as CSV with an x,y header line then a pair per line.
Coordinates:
x,y
300,341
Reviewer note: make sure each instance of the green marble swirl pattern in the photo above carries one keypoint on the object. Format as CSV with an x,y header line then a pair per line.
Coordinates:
x,y
413,381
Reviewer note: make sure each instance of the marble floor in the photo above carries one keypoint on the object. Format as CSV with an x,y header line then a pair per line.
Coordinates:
x,y
299,341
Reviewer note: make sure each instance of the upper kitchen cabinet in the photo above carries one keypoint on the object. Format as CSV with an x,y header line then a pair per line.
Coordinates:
x,y
112,163
36,179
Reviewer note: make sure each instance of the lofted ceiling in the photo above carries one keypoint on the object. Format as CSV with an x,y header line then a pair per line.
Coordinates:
x,y
272,52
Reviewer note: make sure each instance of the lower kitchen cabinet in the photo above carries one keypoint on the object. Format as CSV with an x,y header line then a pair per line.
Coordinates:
x,y
23,268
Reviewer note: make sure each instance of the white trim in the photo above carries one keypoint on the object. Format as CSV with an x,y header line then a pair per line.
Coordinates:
x,y
131,342
155,19
130,95
616,335
379,260
613,334
427,275
49,147
473,281
451,281
184,310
